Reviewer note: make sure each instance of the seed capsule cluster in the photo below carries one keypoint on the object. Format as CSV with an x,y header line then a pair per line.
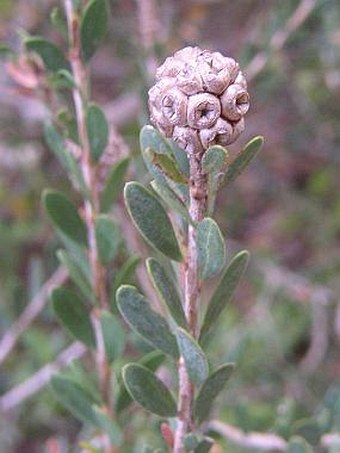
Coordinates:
x,y
199,99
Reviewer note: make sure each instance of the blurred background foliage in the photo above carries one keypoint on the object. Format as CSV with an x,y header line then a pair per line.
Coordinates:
x,y
283,329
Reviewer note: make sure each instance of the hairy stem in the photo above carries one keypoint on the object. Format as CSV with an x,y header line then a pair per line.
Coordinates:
x,y
91,205
197,210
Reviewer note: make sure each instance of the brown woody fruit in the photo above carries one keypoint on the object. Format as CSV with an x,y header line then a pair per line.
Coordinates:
x,y
199,99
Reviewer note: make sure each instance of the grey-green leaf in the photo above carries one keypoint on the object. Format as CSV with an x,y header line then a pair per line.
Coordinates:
x,y
167,165
149,324
74,398
210,246
64,216
171,199
150,137
214,159
108,425
93,27
166,290
224,292
51,55
113,335
113,184
151,219
76,273
210,389
108,238
73,315
243,159
298,445
149,391
195,360
97,129
205,445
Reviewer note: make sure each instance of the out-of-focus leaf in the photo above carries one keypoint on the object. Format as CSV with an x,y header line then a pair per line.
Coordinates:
x,y
73,315
224,292
76,273
151,219
166,290
113,334
114,184
149,391
64,216
108,425
58,19
97,130
93,27
243,159
74,398
210,389
108,238
51,55
195,360
298,445
124,275
210,246
150,325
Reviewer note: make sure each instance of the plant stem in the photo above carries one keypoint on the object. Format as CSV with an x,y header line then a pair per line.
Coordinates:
x,y
91,205
197,210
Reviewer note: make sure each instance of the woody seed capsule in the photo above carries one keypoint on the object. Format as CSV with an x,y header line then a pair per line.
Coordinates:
x,y
199,99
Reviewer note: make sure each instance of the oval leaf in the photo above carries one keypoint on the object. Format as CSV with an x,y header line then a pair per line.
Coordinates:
x,y
151,219
52,57
64,216
224,292
74,398
73,315
113,185
243,159
210,247
166,290
97,129
75,272
107,237
167,165
149,324
298,445
195,360
113,335
108,425
148,391
210,390
214,158
93,27
150,137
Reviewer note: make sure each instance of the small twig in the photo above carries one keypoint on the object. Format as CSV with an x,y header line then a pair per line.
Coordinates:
x,y
32,310
41,378
280,37
252,440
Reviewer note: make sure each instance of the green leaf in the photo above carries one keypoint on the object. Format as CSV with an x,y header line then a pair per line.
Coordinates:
x,y
166,164
97,129
51,55
73,315
76,273
62,79
113,334
214,159
152,361
210,389
150,325
151,220
84,379
195,360
74,398
171,199
166,290
150,137
93,27
210,247
114,184
108,425
64,216
224,292
195,442
148,391
56,143
298,445
124,275
58,20
205,445
181,158
108,238
243,159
